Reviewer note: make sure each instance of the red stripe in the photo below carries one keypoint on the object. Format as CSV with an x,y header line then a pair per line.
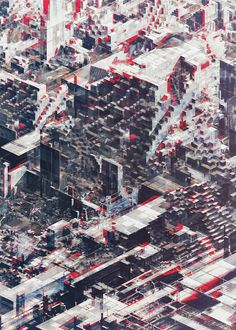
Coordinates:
x,y
149,200
205,65
77,6
46,4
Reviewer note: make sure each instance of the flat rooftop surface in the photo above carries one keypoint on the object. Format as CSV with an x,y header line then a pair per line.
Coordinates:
x,y
162,184
24,144
140,217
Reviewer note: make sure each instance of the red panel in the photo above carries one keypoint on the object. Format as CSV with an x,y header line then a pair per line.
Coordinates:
x,y
164,97
68,25
209,285
26,19
131,39
77,6
193,296
126,75
132,137
171,271
179,227
216,294
46,4
203,18
149,200
205,65
74,274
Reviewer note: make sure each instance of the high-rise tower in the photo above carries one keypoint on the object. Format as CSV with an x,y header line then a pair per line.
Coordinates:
x,y
54,36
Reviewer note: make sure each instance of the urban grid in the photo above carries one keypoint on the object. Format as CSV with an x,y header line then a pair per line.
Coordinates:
x,y
117,164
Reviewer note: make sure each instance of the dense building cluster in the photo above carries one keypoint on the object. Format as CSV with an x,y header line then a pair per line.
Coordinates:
x,y
117,164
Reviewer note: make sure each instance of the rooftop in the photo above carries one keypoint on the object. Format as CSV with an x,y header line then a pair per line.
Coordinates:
x,y
24,144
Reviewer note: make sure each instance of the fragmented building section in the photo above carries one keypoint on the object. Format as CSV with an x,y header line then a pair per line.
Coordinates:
x,y
117,164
